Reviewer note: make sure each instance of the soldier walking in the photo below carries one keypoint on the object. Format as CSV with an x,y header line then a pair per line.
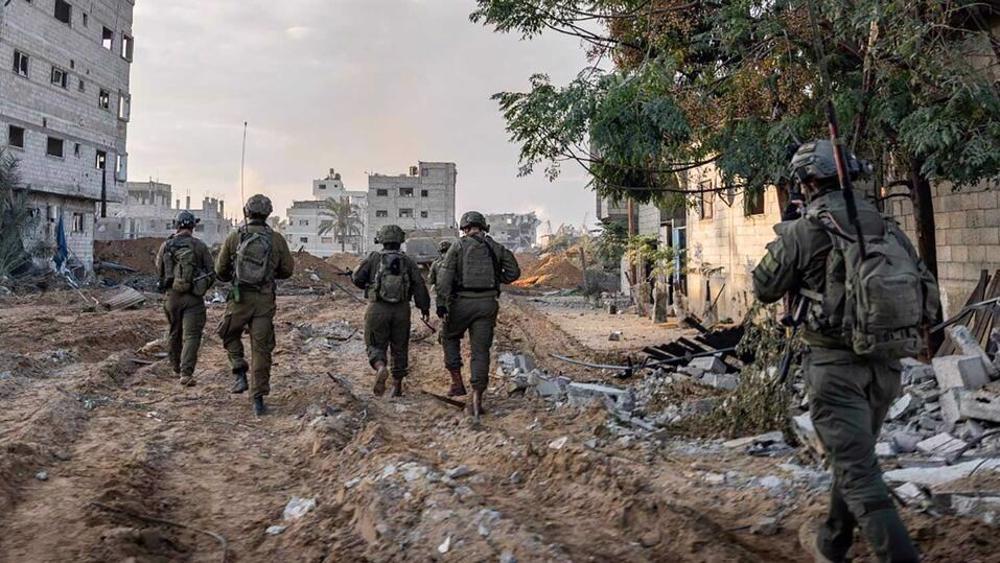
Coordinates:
x,y
857,329
186,273
252,258
432,278
468,292
390,279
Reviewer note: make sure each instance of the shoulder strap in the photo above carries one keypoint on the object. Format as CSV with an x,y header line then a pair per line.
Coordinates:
x,y
494,258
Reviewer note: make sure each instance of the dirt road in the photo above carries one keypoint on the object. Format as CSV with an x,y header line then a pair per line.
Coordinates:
x,y
104,457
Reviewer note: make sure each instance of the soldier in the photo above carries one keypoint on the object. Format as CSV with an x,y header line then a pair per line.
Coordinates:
x,y
390,279
186,273
468,291
252,258
443,247
850,386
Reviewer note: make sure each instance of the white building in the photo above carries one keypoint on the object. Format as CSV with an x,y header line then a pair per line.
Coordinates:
x,y
422,200
146,212
64,112
307,218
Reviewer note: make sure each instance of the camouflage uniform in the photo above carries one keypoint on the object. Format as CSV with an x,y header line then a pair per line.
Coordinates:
x,y
387,325
849,395
185,311
254,309
474,311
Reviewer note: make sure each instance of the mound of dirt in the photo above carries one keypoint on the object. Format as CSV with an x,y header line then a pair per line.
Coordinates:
x,y
554,271
138,254
344,261
312,271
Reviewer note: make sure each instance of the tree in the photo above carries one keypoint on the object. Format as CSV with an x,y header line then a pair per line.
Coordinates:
x,y
611,243
15,218
734,83
345,220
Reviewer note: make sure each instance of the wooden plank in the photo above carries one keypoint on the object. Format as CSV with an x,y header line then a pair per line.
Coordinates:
x,y
948,347
984,318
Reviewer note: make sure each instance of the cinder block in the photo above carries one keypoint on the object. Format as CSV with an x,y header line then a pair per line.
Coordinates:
x,y
943,444
964,372
710,364
969,346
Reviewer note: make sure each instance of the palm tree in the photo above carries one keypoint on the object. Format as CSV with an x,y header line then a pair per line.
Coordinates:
x,y
15,218
345,220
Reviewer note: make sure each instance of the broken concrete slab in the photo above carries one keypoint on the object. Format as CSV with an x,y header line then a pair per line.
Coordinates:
x,y
982,506
915,371
768,438
969,346
941,445
911,494
905,442
583,393
884,449
721,381
547,387
931,476
709,364
904,405
959,404
965,372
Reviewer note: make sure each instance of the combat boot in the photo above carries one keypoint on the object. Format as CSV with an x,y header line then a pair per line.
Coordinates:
x,y
475,405
809,540
397,387
457,385
381,375
258,406
240,385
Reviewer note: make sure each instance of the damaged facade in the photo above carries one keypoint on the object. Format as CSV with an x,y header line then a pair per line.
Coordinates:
x,y
423,200
147,212
307,218
64,112
516,231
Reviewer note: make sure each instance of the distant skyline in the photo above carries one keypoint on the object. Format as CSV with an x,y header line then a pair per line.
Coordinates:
x,y
356,85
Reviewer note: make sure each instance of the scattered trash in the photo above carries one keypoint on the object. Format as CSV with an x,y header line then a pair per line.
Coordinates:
x,y
298,507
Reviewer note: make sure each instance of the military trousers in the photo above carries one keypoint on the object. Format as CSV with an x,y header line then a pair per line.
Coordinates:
x,y
478,317
254,313
186,315
849,397
387,330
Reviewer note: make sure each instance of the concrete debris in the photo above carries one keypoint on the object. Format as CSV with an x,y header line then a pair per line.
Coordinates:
x,y
969,346
766,526
884,449
123,298
485,521
905,405
558,443
911,494
721,381
941,445
445,546
982,506
459,472
762,439
930,476
275,530
965,372
507,557
915,371
581,394
42,475
959,404
905,442
298,507
710,364
615,336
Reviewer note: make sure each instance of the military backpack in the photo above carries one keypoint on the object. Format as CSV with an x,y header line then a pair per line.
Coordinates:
x,y
478,265
253,257
876,302
392,279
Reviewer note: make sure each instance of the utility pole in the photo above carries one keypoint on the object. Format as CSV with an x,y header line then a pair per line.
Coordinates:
x,y
243,163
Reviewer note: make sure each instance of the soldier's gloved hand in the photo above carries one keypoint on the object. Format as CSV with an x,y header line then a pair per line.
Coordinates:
x,y
442,311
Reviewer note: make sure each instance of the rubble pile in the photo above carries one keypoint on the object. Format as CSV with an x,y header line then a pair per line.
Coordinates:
x,y
552,271
314,275
344,262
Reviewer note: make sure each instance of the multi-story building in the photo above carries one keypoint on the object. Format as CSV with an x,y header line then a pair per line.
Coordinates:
x,y
64,112
516,231
423,200
310,224
146,212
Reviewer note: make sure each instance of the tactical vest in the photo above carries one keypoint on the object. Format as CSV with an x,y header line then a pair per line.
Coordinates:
x,y
478,265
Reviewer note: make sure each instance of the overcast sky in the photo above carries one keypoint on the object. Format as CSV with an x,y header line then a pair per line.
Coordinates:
x,y
356,85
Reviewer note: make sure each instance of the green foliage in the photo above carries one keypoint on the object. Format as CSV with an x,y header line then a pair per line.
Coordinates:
x,y
735,82
646,249
345,220
15,218
611,242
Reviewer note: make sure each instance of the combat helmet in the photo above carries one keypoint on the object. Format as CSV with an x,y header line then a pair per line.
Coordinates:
x,y
258,207
390,234
473,219
815,161
185,220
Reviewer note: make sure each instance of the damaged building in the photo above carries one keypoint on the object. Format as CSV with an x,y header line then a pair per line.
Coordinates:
x,y
516,231
422,200
311,224
64,113
146,212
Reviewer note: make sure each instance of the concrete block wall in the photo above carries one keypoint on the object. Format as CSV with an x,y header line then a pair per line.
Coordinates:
x,y
724,249
967,228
